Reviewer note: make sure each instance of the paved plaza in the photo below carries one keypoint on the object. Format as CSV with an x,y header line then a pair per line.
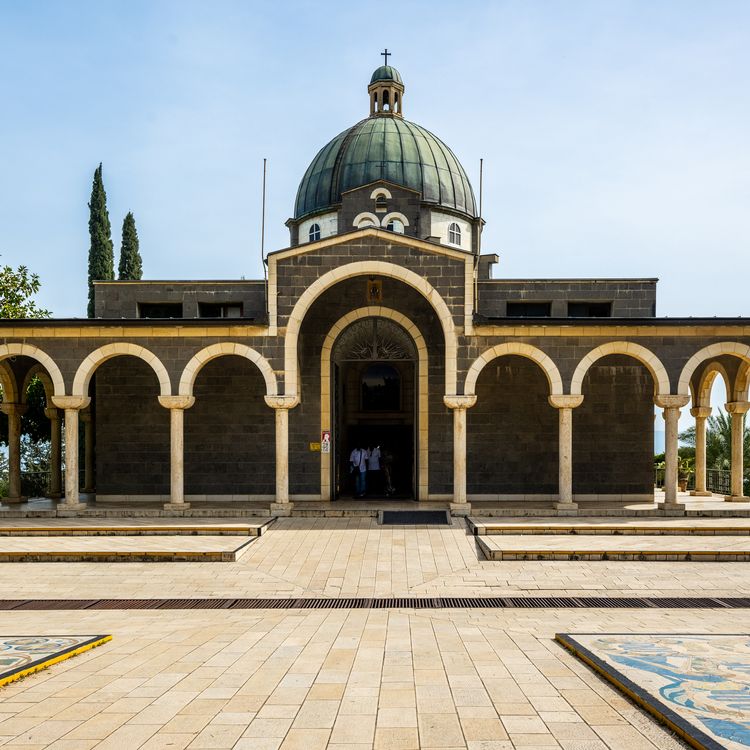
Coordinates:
x,y
342,678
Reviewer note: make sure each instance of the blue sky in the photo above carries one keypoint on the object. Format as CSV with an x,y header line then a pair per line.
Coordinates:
x,y
615,134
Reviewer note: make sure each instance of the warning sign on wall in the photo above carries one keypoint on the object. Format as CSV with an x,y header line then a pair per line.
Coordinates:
x,y
325,441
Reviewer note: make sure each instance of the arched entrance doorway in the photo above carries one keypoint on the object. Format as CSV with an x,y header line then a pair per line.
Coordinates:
x,y
374,375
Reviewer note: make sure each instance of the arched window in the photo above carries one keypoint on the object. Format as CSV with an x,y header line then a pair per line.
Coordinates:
x,y
396,225
366,223
314,234
454,234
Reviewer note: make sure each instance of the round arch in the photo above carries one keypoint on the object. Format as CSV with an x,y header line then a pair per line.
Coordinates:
x,y
204,356
733,348
702,397
377,311
29,350
103,353
646,357
394,215
363,268
39,372
742,383
519,349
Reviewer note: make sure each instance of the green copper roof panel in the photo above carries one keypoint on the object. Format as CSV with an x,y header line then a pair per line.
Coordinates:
x,y
387,148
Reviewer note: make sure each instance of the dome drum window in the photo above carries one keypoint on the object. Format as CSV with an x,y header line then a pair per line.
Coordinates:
x,y
314,233
454,234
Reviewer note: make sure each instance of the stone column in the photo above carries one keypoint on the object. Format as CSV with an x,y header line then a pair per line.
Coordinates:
x,y
460,505
14,412
55,462
565,405
281,405
738,409
177,406
701,414
671,405
72,406
88,451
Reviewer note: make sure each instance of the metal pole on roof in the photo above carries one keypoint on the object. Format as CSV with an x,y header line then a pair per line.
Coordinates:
x,y
479,236
263,219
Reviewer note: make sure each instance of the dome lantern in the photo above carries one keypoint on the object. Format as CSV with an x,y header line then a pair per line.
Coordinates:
x,y
386,90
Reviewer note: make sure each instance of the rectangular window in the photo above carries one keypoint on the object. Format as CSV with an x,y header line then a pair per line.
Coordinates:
x,y
529,309
160,309
220,310
589,309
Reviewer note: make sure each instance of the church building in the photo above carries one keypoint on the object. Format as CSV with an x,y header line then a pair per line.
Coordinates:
x,y
381,325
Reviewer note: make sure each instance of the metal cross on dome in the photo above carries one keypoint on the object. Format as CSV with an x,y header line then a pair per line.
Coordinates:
x,y
386,55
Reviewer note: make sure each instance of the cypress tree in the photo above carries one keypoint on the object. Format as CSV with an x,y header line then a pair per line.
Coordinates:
x,y
131,266
101,253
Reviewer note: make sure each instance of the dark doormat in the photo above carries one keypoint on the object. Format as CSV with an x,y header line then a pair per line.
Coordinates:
x,y
414,518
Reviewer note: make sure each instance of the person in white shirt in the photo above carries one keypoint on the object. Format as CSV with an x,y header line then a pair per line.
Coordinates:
x,y
373,469
358,462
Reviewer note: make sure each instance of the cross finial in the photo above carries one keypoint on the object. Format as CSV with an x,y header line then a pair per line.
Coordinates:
x,y
386,55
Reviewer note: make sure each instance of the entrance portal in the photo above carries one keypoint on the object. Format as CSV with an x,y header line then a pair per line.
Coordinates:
x,y
374,380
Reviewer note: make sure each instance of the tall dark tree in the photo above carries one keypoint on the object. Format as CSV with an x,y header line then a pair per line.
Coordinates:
x,y
131,265
101,252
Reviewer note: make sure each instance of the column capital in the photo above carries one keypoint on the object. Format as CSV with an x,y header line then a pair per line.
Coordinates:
x,y
459,402
176,402
671,401
71,402
701,412
282,402
12,409
565,401
738,407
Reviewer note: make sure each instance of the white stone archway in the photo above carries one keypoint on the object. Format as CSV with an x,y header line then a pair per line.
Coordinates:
x,y
367,268
377,311
702,396
732,348
646,357
518,349
108,351
34,352
204,356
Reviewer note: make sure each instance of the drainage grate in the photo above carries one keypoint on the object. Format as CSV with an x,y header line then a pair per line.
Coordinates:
x,y
450,602
415,518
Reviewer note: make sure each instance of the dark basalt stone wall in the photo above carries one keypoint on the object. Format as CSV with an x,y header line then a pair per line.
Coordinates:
x,y
230,442
512,433
132,430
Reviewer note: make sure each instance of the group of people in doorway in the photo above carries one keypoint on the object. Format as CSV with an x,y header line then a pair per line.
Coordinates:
x,y
371,470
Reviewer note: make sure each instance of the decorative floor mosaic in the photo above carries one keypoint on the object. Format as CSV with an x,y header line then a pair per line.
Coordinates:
x,y
699,685
21,655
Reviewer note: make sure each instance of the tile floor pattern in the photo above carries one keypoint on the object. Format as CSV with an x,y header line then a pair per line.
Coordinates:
x,y
485,680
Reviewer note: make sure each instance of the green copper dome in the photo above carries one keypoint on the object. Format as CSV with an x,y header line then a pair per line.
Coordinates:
x,y
386,73
385,148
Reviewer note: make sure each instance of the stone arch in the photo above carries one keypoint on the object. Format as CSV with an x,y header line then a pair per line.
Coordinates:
x,y
733,348
394,215
377,311
8,384
359,218
364,268
380,191
103,353
702,397
39,372
29,350
515,348
193,367
742,383
646,357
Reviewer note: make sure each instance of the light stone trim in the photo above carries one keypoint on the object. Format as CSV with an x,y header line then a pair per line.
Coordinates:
x,y
226,348
367,268
611,332
703,396
8,383
375,194
512,348
366,216
89,365
39,372
646,357
742,383
732,348
29,350
394,215
377,311
131,331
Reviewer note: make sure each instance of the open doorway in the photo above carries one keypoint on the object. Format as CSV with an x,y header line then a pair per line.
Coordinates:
x,y
374,407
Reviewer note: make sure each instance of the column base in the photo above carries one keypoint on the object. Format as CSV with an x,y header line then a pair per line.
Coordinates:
x,y
176,506
700,493
282,509
671,507
566,506
727,499
460,509
13,500
70,509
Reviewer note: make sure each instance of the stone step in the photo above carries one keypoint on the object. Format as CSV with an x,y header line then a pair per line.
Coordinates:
x,y
654,548
131,528
482,526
